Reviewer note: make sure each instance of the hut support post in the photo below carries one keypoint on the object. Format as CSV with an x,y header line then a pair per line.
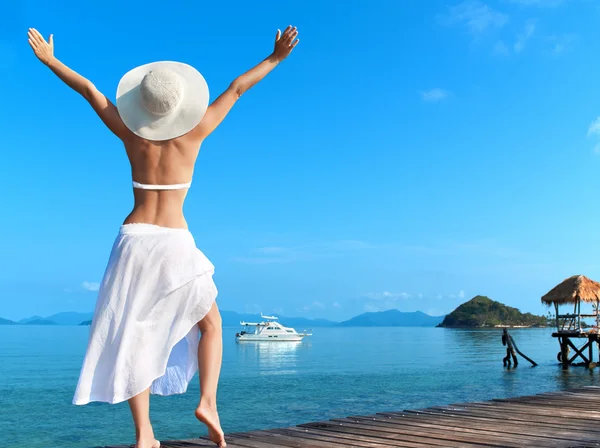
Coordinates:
x,y
564,350
579,315
578,352
556,316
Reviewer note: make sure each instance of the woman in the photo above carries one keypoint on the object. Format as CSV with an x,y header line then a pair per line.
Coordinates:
x,y
156,321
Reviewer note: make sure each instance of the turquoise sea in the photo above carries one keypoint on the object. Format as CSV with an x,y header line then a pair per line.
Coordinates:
x,y
337,372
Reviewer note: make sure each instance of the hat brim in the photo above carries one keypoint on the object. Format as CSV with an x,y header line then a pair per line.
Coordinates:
x,y
186,117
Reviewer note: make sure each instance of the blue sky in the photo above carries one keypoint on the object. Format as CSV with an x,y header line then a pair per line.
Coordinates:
x,y
407,155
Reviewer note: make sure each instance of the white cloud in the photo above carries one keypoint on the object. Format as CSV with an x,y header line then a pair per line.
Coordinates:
x,y
253,308
488,247
316,305
343,245
309,252
435,312
336,305
501,48
271,250
524,36
477,16
594,129
538,3
261,260
460,295
386,295
561,43
382,301
434,95
90,286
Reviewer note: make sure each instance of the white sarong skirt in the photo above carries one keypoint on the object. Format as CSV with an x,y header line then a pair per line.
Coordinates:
x,y
157,286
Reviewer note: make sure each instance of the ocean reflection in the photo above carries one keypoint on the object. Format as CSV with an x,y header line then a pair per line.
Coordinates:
x,y
271,358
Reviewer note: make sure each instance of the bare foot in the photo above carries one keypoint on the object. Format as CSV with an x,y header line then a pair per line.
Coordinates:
x,y
210,418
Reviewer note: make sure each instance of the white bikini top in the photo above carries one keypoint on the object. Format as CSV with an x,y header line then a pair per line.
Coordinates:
x,y
161,187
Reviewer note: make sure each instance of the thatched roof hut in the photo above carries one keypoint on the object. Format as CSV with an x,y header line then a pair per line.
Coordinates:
x,y
573,290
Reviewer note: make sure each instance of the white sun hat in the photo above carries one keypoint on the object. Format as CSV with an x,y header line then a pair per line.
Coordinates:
x,y
162,100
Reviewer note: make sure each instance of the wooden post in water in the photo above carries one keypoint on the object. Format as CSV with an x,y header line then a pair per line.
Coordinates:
x,y
511,349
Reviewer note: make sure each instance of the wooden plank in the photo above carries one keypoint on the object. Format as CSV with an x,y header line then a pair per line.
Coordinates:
x,y
248,442
548,434
475,436
338,439
497,425
193,443
401,434
540,411
566,419
284,440
523,432
550,423
477,412
580,405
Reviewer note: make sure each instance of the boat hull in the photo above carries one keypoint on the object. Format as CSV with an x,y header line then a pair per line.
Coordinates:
x,y
258,338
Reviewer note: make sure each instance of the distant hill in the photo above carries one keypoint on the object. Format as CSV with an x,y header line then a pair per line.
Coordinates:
x,y
70,318
482,311
65,318
7,322
40,322
232,319
393,318
29,319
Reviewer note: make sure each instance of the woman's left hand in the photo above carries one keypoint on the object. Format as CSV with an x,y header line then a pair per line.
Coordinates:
x,y
42,49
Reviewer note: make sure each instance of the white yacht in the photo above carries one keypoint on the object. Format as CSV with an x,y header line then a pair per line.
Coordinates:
x,y
268,330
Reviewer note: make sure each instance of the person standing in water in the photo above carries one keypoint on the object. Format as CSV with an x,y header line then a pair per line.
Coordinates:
x,y
156,321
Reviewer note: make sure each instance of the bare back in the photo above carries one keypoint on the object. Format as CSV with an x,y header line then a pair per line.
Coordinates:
x,y
164,162
161,163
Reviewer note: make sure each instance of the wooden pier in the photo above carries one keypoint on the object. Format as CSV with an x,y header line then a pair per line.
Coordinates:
x,y
559,419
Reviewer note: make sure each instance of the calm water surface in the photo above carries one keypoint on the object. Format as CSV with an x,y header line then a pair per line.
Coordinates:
x,y
335,373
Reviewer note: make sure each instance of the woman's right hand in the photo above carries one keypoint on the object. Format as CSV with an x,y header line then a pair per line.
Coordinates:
x,y
285,43
42,49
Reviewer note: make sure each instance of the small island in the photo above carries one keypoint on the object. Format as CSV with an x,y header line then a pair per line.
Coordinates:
x,y
482,312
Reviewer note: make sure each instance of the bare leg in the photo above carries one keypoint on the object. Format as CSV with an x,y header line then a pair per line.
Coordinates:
x,y
140,411
210,354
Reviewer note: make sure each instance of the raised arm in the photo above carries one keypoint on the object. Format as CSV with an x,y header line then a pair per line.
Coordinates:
x,y
105,109
218,110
